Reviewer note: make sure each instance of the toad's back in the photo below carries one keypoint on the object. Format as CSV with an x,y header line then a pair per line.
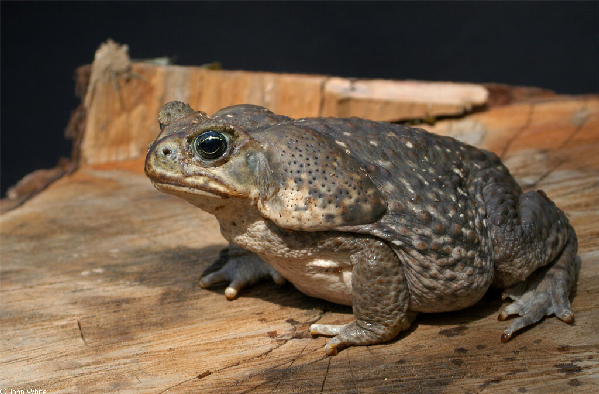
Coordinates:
x,y
435,218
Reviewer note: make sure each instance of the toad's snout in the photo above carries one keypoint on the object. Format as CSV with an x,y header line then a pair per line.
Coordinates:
x,y
162,156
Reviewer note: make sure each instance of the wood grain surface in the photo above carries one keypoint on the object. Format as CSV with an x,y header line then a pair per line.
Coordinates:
x,y
99,280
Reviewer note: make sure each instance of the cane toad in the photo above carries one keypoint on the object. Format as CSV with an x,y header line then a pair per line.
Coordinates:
x,y
390,219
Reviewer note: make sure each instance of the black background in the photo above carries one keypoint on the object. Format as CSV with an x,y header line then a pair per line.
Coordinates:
x,y
552,45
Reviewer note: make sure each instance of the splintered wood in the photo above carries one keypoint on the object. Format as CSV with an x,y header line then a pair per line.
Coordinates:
x,y
123,123
99,273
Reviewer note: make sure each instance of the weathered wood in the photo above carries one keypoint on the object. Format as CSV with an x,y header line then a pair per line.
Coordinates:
x,y
121,125
99,285
123,99
394,101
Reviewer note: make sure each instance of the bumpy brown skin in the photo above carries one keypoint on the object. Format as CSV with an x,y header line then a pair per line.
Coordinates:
x,y
422,222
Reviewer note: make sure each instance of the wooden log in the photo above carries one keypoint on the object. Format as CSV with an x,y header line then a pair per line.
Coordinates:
x,y
99,273
123,99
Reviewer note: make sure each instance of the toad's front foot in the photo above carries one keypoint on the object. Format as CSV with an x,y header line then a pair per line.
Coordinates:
x,y
545,293
243,269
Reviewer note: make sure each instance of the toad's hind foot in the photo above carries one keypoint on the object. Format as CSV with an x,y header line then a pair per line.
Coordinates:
x,y
545,293
355,333
351,334
380,299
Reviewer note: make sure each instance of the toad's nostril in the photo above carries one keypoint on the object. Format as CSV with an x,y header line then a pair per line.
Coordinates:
x,y
166,151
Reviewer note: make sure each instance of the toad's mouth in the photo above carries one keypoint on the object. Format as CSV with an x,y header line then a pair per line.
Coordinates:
x,y
179,189
209,187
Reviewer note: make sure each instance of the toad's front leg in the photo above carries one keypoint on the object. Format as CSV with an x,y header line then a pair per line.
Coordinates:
x,y
243,269
380,299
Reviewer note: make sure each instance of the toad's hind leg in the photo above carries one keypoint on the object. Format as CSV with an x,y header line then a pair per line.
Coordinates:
x,y
544,293
534,251
380,299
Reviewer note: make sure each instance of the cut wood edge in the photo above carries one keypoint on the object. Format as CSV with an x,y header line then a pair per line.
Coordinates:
x,y
395,101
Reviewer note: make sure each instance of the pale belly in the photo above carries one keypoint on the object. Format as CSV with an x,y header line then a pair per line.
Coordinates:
x,y
319,277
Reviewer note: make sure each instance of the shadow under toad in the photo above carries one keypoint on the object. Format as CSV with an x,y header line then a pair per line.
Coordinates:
x,y
186,266
288,295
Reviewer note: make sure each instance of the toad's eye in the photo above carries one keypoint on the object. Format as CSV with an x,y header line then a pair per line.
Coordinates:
x,y
210,145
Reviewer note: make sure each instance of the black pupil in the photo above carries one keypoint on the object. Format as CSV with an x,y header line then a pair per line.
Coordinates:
x,y
211,144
